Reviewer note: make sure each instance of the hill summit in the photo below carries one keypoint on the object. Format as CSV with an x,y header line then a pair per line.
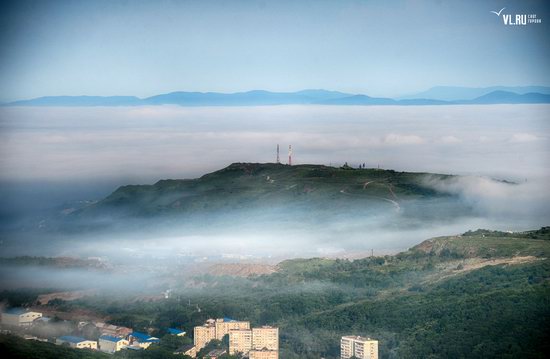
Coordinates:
x,y
269,186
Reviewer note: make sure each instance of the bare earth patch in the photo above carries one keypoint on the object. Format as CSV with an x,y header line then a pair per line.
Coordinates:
x,y
477,263
453,268
241,269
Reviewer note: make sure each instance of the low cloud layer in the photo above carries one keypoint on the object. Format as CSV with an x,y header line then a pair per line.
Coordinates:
x,y
525,204
148,143
53,155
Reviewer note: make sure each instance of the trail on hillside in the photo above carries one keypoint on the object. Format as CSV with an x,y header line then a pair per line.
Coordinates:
x,y
397,206
367,183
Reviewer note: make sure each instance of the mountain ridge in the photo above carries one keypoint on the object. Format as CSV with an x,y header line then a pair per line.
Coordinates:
x,y
458,93
268,98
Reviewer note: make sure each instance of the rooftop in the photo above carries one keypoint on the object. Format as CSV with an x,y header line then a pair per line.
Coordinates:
x,y
72,339
110,338
142,337
175,331
216,352
184,348
359,338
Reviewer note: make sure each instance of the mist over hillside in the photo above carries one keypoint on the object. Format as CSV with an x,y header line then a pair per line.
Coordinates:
x,y
277,211
63,166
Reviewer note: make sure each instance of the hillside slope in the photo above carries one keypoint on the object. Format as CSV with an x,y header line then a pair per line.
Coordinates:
x,y
254,185
482,294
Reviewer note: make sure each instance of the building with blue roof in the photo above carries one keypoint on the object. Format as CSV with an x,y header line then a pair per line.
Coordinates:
x,y
142,340
142,337
19,317
110,338
177,332
76,342
111,344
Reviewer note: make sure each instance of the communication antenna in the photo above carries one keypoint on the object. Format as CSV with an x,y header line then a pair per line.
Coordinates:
x,y
278,159
290,155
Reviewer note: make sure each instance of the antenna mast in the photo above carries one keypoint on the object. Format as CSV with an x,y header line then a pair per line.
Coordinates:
x,y
290,155
278,159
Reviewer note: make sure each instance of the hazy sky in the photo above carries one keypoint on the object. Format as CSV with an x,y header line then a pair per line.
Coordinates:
x,y
377,47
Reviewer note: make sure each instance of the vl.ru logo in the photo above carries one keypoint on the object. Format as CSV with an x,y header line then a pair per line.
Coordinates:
x,y
518,19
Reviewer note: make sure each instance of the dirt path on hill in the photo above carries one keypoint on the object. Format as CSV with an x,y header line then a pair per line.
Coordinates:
x,y
366,184
397,206
391,191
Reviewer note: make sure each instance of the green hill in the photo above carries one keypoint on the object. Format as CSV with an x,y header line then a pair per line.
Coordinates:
x,y
248,186
482,294
489,244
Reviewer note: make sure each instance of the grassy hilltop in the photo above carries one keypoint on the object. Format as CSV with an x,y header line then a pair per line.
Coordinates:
x,y
246,186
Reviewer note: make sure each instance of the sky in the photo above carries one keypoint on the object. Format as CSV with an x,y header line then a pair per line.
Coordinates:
x,y
380,48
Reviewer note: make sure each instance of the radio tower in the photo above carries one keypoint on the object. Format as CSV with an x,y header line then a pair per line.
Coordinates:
x,y
290,155
278,160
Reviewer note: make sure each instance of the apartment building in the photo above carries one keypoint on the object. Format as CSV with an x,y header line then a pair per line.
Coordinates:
x,y
359,347
262,342
204,333
240,341
223,326
265,337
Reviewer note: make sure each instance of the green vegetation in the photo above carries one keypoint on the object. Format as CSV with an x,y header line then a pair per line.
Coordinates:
x,y
479,295
543,233
17,348
249,185
22,297
490,244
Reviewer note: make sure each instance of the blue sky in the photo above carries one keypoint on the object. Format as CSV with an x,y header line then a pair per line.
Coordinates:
x,y
382,48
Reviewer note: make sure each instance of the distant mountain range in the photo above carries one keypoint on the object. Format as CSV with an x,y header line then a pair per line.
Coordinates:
x,y
455,93
434,96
